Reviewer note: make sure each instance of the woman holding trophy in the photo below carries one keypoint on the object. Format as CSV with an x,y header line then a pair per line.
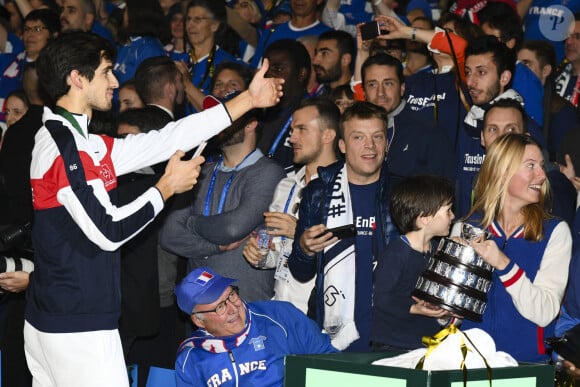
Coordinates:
x,y
530,251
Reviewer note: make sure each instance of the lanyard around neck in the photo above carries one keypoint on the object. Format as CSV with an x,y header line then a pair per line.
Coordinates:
x,y
69,117
209,68
224,195
279,137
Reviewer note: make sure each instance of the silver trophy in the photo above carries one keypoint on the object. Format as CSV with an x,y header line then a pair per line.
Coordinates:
x,y
457,278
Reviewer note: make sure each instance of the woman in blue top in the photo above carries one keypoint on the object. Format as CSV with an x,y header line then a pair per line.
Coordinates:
x,y
530,250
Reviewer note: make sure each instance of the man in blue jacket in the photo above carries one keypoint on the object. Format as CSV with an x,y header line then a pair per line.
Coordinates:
x,y
239,343
354,191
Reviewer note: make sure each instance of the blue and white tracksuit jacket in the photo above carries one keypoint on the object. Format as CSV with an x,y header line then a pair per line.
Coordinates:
x,y
277,329
78,229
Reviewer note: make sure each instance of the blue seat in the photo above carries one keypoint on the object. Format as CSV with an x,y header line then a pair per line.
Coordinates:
x,y
161,377
158,377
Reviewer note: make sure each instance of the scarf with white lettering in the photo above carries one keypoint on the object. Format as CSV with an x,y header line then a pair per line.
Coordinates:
x,y
204,340
476,113
563,78
339,270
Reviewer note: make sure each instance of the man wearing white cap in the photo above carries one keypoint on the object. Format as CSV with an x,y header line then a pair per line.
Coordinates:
x,y
239,343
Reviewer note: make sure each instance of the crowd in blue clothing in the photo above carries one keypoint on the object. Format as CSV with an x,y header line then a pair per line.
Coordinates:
x,y
435,89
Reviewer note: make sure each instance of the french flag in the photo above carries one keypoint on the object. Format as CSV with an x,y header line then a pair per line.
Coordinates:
x,y
204,278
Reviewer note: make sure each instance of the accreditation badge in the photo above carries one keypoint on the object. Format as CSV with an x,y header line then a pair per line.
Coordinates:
x,y
282,270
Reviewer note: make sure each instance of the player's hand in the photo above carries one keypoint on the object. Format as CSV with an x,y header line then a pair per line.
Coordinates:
x,y
265,92
180,175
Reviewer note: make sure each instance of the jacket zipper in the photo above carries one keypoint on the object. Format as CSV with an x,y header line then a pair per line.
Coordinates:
x,y
233,360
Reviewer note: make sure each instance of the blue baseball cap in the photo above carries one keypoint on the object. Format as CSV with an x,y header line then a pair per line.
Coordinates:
x,y
201,286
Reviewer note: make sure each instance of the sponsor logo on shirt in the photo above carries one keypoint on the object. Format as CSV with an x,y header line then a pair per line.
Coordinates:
x,y
106,175
419,103
472,163
365,227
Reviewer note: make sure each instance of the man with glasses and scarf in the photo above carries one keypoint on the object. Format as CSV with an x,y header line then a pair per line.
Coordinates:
x,y
239,343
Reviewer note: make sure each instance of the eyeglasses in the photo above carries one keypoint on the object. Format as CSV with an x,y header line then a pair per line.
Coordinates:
x,y
35,29
198,19
220,308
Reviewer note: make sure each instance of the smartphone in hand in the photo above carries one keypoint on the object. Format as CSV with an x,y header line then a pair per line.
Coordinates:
x,y
341,232
371,30
199,149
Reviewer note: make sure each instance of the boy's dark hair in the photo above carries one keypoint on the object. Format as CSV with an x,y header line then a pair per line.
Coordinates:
x,y
503,58
382,59
421,195
81,51
151,75
362,110
338,91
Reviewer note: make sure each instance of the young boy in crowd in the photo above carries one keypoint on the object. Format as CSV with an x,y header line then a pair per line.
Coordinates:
x,y
421,208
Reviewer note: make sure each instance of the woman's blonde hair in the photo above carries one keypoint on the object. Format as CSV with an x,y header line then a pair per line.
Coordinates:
x,y
502,161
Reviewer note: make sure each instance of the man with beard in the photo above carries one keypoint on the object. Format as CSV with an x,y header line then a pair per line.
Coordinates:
x,y
333,59
210,224
313,139
489,66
